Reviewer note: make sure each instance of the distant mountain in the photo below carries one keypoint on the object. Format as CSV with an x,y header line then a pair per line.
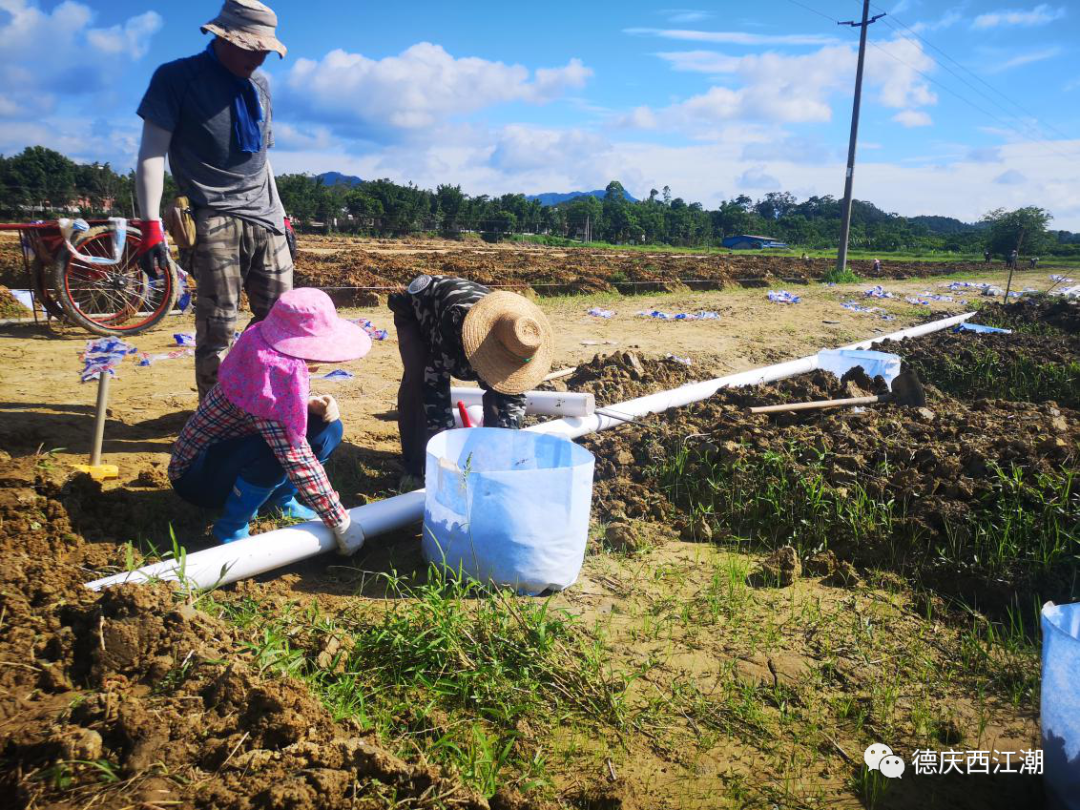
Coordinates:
x,y
554,198
339,179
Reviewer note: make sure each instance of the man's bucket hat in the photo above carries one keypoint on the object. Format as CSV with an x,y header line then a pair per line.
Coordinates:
x,y
248,24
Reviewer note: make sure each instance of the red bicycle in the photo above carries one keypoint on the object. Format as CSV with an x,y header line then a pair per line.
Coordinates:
x,y
97,286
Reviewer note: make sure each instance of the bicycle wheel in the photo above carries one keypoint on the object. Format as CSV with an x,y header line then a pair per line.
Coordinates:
x,y
117,299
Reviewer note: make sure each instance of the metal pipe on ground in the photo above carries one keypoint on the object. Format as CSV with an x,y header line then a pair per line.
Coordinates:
x,y
540,403
221,565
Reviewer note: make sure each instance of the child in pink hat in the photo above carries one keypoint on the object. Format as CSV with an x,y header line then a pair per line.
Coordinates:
x,y
258,438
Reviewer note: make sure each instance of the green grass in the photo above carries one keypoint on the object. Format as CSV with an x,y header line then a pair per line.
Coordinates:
x,y
1024,530
450,670
981,371
845,276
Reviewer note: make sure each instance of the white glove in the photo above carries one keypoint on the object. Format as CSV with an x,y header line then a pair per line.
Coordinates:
x,y
349,537
326,407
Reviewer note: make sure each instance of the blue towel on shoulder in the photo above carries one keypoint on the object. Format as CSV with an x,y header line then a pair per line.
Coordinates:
x,y
247,110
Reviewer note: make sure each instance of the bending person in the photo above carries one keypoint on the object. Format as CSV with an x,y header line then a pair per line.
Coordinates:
x,y
258,438
450,327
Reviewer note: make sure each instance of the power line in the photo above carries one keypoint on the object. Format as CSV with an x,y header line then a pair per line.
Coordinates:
x,y
1044,144
814,11
893,22
1032,129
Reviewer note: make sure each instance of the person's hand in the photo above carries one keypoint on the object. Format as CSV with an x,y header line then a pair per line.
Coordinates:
x,y
349,537
325,407
153,249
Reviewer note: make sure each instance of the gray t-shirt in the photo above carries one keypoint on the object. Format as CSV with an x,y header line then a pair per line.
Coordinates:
x,y
193,99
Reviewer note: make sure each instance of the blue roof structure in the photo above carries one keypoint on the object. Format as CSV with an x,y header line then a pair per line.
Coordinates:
x,y
750,242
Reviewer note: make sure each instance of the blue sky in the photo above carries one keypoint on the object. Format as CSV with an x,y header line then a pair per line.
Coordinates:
x,y
968,106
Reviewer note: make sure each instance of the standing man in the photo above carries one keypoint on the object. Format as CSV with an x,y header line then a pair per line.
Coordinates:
x,y
451,327
211,114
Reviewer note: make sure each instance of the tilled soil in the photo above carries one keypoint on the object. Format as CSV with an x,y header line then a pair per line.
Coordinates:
x,y
342,261
560,270
135,697
939,461
1028,367
1061,315
626,375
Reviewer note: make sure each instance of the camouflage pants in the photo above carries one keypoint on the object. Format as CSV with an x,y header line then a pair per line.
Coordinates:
x,y
232,255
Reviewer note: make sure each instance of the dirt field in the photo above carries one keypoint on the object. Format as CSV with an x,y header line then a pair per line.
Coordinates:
x,y
763,599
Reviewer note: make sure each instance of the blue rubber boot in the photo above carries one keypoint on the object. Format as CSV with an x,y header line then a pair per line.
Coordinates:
x,y
240,507
283,500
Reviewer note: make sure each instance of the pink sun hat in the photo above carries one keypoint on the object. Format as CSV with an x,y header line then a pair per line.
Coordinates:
x,y
304,323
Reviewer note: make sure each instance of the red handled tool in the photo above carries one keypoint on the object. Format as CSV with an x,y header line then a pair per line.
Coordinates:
x,y
465,420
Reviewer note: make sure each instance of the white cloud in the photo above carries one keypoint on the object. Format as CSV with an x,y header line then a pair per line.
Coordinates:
x,y
912,118
984,154
757,179
701,61
82,139
1072,84
896,67
786,89
730,37
1040,15
685,16
639,118
946,20
44,53
132,38
1010,178
419,88
1025,59
287,136
522,148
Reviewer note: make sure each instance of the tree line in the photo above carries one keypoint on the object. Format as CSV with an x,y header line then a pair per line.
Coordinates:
x,y
39,183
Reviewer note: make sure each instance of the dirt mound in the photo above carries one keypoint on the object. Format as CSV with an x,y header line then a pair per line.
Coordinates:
x,y
1041,313
12,272
1024,366
9,307
613,378
936,469
136,697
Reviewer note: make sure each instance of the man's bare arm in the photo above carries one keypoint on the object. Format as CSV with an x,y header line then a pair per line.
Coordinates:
x,y
150,171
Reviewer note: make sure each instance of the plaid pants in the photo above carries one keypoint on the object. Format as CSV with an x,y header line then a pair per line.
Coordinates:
x,y
231,255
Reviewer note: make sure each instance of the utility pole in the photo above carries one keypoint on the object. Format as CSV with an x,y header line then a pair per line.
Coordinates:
x,y
845,223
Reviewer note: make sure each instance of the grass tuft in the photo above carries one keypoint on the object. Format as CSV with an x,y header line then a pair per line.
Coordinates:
x,y
450,669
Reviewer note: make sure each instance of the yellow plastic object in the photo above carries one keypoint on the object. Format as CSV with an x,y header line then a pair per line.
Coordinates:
x,y
99,472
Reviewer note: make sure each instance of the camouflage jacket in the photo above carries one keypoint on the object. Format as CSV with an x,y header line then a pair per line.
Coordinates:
x,y
439,305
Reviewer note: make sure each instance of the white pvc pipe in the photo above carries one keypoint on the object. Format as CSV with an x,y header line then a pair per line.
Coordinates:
x,y
540,403
221,565
574,428
231,562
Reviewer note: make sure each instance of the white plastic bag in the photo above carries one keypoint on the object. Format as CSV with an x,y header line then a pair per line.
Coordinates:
x,y
508,507
841,361
1061,705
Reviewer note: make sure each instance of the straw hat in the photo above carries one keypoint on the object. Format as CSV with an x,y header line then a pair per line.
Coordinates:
x,y
304,323
508,342
248,24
